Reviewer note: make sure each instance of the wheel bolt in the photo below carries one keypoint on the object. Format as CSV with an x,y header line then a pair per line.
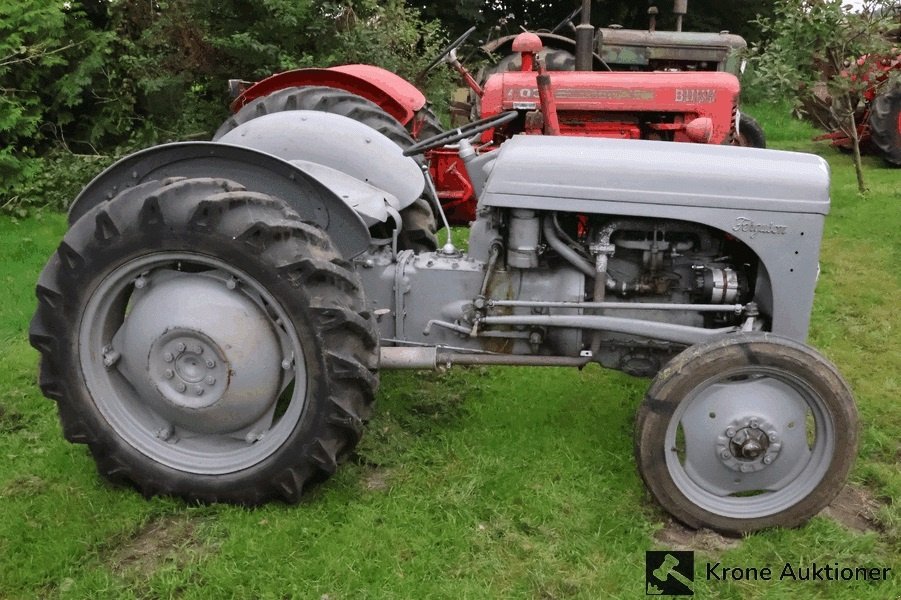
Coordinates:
x,y
287,364
231,283
753,424
140,282
210,363
111,358
767,460
197,349
168,373
730,432
725,454
210,380
180,386
772,436
180,346
168,357
164,433
198,390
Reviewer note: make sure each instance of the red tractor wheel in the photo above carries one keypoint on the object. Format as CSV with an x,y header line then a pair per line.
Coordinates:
x,y
419,225
555,60
750,133
885,124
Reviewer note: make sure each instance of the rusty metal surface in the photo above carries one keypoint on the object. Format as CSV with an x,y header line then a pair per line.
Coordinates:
x,y
629,48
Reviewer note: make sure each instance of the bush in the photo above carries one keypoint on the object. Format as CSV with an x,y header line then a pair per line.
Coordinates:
x,y
103,77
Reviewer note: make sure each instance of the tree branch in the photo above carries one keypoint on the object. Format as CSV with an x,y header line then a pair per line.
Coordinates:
x,y
9,60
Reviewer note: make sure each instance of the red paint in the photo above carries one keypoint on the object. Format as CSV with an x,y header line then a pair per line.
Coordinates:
x,y
393,94
587,103
454,187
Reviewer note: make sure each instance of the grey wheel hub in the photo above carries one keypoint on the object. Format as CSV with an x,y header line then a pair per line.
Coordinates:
x,y
748,445
203,355
743,465
188,369
193,362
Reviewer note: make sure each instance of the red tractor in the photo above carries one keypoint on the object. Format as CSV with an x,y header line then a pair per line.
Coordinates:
x,y
681,106
878,115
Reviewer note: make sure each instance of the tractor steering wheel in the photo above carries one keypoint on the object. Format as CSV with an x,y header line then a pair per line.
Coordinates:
x,y
567,21
448,49
455,135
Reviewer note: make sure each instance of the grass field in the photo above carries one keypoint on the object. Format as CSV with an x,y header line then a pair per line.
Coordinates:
x,y
479,483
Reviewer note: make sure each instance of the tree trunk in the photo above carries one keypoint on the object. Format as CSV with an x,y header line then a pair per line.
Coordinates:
x,y
855,139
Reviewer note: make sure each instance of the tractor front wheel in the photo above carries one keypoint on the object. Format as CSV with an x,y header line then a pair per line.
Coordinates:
x,y
747,432
885,124
206,343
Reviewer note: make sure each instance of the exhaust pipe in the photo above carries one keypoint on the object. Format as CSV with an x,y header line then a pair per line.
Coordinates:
x,y
585,40
680,9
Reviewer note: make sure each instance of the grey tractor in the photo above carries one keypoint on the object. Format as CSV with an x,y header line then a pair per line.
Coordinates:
x,y
215,319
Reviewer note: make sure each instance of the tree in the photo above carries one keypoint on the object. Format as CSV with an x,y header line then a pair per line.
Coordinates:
x,y
820,55
704,15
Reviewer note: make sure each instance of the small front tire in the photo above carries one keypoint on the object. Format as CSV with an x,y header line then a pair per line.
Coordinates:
x,y
748,432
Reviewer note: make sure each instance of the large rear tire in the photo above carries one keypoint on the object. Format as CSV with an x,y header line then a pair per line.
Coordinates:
x,y
205,343
744,433
419,225
885,125
555,60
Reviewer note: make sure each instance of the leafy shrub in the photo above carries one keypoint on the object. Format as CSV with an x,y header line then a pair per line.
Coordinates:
x,y
102,77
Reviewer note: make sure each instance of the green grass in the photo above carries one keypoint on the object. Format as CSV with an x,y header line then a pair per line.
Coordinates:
x,y
478,483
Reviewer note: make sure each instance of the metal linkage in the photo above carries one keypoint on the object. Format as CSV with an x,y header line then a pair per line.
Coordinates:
x,y
668,332
718,308
434,358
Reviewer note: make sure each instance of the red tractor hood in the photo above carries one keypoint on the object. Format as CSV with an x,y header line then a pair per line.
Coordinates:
x,y
658,91
675,98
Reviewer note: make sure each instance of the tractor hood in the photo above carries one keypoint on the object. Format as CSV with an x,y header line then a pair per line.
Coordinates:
x,y
567,173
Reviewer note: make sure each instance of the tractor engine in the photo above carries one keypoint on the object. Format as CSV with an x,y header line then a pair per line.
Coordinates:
x,y
544,264
666,262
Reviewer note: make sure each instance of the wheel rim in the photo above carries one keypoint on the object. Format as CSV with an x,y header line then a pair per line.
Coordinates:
x,y
193,362
750,442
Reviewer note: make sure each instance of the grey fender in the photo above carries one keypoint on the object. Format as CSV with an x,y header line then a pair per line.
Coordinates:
x,y
374,205
256,170
337,142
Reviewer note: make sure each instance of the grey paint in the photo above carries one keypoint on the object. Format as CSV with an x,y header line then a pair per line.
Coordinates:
x,y
370,202
337,142
669,332
421,288
641,171
772,201
257,171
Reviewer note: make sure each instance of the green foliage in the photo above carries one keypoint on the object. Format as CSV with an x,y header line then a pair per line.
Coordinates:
x,y
52,66
103,77
51,182
817,41
821,57
704,15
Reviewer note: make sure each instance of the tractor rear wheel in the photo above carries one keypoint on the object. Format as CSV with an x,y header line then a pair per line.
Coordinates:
x,y
747,432
555,60
419,225
750,133
244,403
885,124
